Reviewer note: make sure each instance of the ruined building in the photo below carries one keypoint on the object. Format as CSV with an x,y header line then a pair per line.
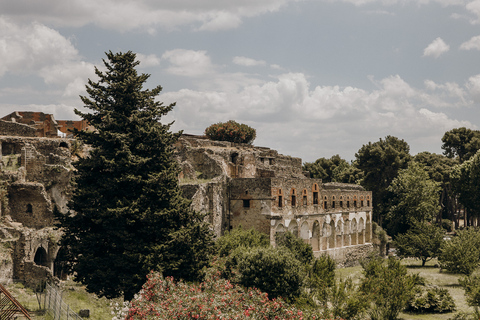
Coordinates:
x,y
254,187
236,184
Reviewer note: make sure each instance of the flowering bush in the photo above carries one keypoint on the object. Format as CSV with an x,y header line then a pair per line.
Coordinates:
x,y
231,131
215,298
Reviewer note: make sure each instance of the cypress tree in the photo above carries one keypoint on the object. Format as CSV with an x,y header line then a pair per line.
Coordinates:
x,y
127,215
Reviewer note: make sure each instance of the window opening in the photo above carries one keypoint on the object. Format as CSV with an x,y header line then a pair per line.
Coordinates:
x,y
315,197
29,208
280,200
246,203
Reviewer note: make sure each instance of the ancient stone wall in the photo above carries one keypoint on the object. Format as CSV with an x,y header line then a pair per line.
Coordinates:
x,y
8,128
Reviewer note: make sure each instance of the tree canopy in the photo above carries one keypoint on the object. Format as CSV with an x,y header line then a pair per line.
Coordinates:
x,y
414,199
467,183
127,215
461,143
334,169
231,131
380,162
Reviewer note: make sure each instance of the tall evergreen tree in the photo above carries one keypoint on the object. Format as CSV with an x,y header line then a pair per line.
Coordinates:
x,y
128,216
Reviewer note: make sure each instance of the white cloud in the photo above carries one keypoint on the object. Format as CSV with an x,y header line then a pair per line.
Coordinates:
x,y
142,14
473,43
473,86
248,62
436,48
188,63
146,61
37,50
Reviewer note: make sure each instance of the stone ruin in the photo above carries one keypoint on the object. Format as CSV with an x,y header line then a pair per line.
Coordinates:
x,y
235,184
256,187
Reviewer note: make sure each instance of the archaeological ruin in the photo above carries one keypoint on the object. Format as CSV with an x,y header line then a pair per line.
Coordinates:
x,y
235,184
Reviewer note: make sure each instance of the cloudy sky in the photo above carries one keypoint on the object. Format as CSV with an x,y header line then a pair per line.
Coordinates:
x,y
314,77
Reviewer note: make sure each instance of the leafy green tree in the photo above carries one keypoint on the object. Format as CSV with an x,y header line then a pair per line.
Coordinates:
x,y
423,241
231,131
467,183
414,199
461,143
127,215
388,286
380,162
440,169
471,285
461,254
334,169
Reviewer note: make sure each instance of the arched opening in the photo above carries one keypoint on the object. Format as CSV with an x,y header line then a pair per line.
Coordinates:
x,y
353,232
315,236
361,231
339,234
60,269
41,257
315,194
279,232
305,232
304,197
331,239
293,201
63,144
29,208
346,233
293,228
325,234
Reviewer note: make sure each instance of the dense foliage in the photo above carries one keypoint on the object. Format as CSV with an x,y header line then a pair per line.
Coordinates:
x,y
414,199
467,183
380,162
461,143
334,169
388,286
431,300
423,241
127,215
231,131
215,298
461,254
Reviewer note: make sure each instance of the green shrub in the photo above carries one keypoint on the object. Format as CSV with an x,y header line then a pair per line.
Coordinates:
x,y
240,237
447,225
231,131
388,286
431,300
302,251
461,254
275,271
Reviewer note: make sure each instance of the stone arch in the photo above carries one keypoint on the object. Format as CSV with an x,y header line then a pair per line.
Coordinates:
x,y
331,238
279,232
293,228
325,202
346,233
368,228
333,202
353,232
60,265
361,231
315,242
280,198
339,234
361,201
41,257
304,197
325,234
63,144
29,208
340,202
305,232
355,202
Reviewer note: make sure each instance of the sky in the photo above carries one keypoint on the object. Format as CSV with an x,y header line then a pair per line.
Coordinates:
x,y
315,78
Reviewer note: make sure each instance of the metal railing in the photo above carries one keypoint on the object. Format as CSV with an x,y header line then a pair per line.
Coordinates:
x,y
10,308
55,307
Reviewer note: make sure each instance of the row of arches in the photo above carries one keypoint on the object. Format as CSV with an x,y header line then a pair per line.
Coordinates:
x,y
324,236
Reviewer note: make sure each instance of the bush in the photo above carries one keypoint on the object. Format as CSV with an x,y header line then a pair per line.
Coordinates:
x,y
447,225
302,251
275,271
431,300
215,298
231,131
388,286
461,254
240,237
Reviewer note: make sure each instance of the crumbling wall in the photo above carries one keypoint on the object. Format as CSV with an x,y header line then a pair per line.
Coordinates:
x,y
8,128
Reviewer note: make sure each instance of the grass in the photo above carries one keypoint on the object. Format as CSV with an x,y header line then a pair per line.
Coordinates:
x,y
73,294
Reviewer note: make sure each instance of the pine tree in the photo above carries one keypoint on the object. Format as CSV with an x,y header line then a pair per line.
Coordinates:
x,y
128,216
